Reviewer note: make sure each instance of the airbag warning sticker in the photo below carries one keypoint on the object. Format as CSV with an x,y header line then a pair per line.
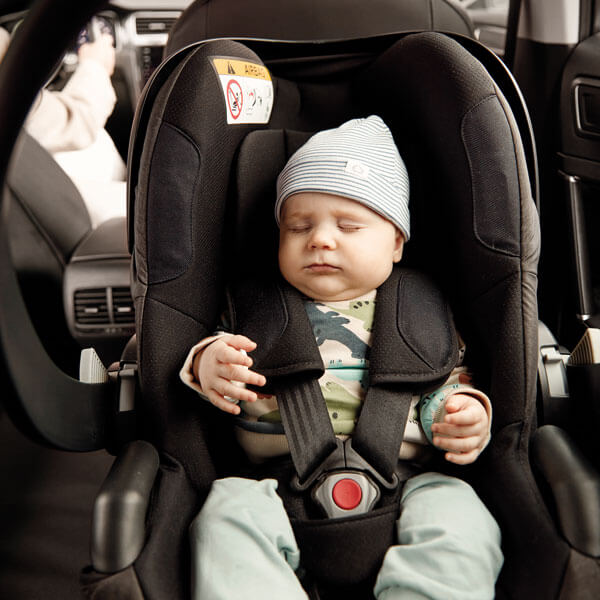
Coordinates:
x,y
247,89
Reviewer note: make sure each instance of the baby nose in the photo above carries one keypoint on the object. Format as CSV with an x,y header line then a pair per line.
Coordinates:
x,y
322,237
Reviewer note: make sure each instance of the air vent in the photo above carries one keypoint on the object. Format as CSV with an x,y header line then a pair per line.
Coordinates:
x,y
122,307
91,307
150,25
108,310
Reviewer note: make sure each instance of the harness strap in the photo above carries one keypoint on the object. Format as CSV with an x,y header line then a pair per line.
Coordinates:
x,y
312,442
306,424
416,349
380,428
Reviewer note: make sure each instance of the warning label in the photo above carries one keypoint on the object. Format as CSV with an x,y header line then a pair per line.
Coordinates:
x,y
247,89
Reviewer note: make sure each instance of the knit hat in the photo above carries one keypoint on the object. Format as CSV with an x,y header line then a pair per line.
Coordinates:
x,y
357,160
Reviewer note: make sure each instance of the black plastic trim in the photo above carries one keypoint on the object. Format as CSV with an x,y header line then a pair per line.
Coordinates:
x,y
575,485
80,412
119,519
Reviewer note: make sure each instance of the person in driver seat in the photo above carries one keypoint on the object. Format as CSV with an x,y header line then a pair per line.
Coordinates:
x,y
69,123
342,211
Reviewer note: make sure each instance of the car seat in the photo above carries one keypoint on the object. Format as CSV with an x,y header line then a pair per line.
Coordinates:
x,y
201,185
186,164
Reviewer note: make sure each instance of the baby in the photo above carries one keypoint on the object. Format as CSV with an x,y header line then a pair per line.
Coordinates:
x,y
342,210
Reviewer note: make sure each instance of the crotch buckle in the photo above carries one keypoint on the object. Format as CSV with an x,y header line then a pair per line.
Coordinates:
x,y
345,493
345,484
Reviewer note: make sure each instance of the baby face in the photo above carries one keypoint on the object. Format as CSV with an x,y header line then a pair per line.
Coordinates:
x,y
332,248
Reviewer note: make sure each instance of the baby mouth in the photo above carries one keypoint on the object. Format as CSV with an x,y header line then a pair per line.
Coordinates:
x,y
322,268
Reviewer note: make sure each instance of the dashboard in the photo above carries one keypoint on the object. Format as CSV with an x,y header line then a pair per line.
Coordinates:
x,y
140,36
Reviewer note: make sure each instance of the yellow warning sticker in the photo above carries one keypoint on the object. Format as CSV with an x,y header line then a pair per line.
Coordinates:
x,y
247,90
232,66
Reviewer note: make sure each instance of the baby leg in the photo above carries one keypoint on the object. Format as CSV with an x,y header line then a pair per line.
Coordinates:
x,y
448,544
243,545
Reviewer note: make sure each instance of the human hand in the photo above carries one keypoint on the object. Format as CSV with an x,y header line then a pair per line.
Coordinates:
x,y
464,430
101,50
221,363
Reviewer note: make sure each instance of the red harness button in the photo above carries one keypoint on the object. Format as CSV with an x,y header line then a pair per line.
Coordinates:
x,y
347,494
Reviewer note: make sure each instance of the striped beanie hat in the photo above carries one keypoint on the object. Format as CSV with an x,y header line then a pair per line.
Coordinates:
x,y
357,160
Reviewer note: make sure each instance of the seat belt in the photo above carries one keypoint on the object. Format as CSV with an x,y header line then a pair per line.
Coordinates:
x,y
512,29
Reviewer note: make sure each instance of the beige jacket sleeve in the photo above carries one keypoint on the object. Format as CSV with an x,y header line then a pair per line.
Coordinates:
x,y
72,118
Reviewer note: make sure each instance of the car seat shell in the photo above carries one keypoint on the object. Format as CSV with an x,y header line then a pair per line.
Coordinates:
x,y
497,240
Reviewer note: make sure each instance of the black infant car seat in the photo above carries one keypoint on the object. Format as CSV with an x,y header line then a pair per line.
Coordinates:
x,y
198,147
207,147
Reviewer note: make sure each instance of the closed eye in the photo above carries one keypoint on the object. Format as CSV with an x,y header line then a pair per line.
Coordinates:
x,y
350,227
298,228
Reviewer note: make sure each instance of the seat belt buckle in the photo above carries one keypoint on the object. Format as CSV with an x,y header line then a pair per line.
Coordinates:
x,y
345,493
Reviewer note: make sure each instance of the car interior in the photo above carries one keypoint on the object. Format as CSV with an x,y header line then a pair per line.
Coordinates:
x,y
69,286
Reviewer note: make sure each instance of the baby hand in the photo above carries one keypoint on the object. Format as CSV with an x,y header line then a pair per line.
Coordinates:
x,y
464,430
221,364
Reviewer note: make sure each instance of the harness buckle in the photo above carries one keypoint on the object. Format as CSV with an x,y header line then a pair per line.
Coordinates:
x,y
345,493
345,484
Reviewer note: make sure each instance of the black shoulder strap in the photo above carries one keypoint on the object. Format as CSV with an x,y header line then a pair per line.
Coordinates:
x,y
415,349
273,315
414,338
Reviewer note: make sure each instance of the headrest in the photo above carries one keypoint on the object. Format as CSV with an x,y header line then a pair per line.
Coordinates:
x,y
255,195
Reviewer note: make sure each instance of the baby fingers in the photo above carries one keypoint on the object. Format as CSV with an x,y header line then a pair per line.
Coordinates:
x,y
235,391
226,353
462,458
222,403
459,431
226,395
233,372
462,445
475,413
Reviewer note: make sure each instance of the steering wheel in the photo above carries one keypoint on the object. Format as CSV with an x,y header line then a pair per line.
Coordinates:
x,y
36,48
67,63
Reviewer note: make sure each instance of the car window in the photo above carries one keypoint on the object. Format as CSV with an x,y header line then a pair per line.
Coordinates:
x,y
489,18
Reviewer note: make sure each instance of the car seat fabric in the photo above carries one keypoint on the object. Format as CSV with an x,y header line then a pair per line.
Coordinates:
x,y
308,20
474,231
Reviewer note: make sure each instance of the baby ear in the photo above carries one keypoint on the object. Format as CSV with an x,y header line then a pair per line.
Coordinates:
x,y
398,247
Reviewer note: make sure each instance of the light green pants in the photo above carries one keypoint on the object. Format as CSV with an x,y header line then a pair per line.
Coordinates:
x,y
243,546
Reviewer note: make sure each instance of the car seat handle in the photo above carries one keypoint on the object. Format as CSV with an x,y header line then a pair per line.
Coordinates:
x,y
119,518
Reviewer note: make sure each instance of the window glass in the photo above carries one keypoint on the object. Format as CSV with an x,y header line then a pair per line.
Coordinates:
x,y
490,18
